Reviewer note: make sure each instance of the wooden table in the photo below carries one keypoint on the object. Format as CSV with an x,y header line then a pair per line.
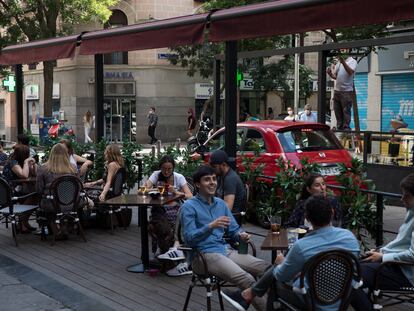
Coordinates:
x,y
142,203
275,242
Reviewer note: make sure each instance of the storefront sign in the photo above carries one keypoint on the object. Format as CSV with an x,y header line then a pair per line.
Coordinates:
x,y
166,55
205,91
31,91
120,75
56,91
246,84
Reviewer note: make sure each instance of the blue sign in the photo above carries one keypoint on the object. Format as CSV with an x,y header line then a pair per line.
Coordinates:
x,y
167,55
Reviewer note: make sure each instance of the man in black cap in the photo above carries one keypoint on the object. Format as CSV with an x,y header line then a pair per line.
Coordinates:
x,y
230,186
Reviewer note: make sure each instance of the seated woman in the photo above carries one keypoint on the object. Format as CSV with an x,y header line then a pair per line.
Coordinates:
x,y
57,165
314,184
76,160
163,220
114,161
20,166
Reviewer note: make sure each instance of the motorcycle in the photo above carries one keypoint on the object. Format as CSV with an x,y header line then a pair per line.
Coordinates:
x,y
201,136
58,129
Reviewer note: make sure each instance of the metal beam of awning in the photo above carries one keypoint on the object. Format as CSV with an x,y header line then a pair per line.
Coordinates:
x,y
157,34
37,51
298,16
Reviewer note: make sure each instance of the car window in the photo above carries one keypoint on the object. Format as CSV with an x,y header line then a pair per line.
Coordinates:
x,y
217,141
254,141
307,139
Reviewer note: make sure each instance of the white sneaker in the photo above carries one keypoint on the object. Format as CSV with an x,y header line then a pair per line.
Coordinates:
x,y
180,269
172,254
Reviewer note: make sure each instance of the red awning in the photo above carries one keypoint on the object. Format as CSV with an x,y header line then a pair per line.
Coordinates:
x,y
297,16
37,51
163,33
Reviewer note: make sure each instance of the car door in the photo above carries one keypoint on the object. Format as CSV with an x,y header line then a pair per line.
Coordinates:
x,y
254,146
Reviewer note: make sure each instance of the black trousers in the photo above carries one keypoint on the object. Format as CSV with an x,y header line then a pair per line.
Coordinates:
x,y
151,133
265,283
391,277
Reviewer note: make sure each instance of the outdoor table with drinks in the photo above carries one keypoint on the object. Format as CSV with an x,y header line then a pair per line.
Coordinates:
x,y
143,200
279,239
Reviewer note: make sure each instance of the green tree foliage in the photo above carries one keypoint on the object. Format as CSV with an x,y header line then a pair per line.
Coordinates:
x,y
29,20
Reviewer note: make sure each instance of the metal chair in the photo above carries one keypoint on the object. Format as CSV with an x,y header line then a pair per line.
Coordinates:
x,y
65,194
11,212
117,188
207,280
331,276
401,295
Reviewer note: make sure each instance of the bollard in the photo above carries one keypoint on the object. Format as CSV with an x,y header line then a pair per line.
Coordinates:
x,y
178,144
153,151
158,147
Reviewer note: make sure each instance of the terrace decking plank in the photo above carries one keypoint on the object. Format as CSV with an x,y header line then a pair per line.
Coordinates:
x,y
111,281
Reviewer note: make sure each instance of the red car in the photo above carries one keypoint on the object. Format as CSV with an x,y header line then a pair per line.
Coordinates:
x,y
291,140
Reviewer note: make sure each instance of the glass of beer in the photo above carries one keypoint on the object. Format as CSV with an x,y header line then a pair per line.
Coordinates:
x,y
143,190
275,224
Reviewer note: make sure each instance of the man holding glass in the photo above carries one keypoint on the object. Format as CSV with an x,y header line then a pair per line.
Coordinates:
x,y
324,237
205,219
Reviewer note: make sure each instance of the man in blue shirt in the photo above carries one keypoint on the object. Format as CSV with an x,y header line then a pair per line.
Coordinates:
x,y
205,219
400,249
324,237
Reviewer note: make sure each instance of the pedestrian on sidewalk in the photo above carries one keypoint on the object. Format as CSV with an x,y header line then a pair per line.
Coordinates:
x,y
191,121
152,124
87,124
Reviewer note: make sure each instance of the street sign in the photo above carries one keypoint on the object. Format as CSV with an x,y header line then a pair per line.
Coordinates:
x,y
10,83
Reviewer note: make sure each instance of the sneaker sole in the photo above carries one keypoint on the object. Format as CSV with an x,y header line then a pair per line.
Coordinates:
x,y
169,258
235,304
181,274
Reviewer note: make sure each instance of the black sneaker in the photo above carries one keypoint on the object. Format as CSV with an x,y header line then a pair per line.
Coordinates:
x,y
236,299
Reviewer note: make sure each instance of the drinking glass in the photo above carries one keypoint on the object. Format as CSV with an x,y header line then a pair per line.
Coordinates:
x,y
275,222
292,236
143,190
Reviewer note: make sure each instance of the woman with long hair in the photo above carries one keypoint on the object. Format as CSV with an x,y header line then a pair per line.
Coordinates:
x,y
191,121
57,165
114,162
75,159
314,184
87,124
20,166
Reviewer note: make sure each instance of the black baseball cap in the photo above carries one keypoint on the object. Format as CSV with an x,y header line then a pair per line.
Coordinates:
x,y
219,157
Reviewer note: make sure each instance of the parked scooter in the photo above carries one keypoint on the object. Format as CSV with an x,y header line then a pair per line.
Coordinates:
x,y
201,136
59,129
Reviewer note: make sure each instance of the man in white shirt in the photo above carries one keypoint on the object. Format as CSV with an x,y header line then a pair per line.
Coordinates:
x,y
343,73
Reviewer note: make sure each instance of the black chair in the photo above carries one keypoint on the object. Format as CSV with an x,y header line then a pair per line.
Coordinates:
x,y
191,185
392,297
331,276
65,193
117,188
207,280
11,212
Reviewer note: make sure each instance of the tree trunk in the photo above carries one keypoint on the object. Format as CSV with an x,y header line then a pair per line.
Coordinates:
x,y
48,88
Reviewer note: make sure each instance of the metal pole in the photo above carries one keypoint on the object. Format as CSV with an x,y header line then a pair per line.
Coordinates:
x,y
322,55
99,96
367,146
217,98
380,219
296,86
19,98
231,101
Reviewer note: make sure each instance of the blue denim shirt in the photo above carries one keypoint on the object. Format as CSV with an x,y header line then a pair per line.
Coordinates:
x,y
315,242
196,214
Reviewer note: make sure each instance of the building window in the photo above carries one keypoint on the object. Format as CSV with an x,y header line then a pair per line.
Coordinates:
x,y
117,19
33,66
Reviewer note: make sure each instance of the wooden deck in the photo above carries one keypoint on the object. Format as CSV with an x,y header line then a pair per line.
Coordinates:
x,y
95,272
